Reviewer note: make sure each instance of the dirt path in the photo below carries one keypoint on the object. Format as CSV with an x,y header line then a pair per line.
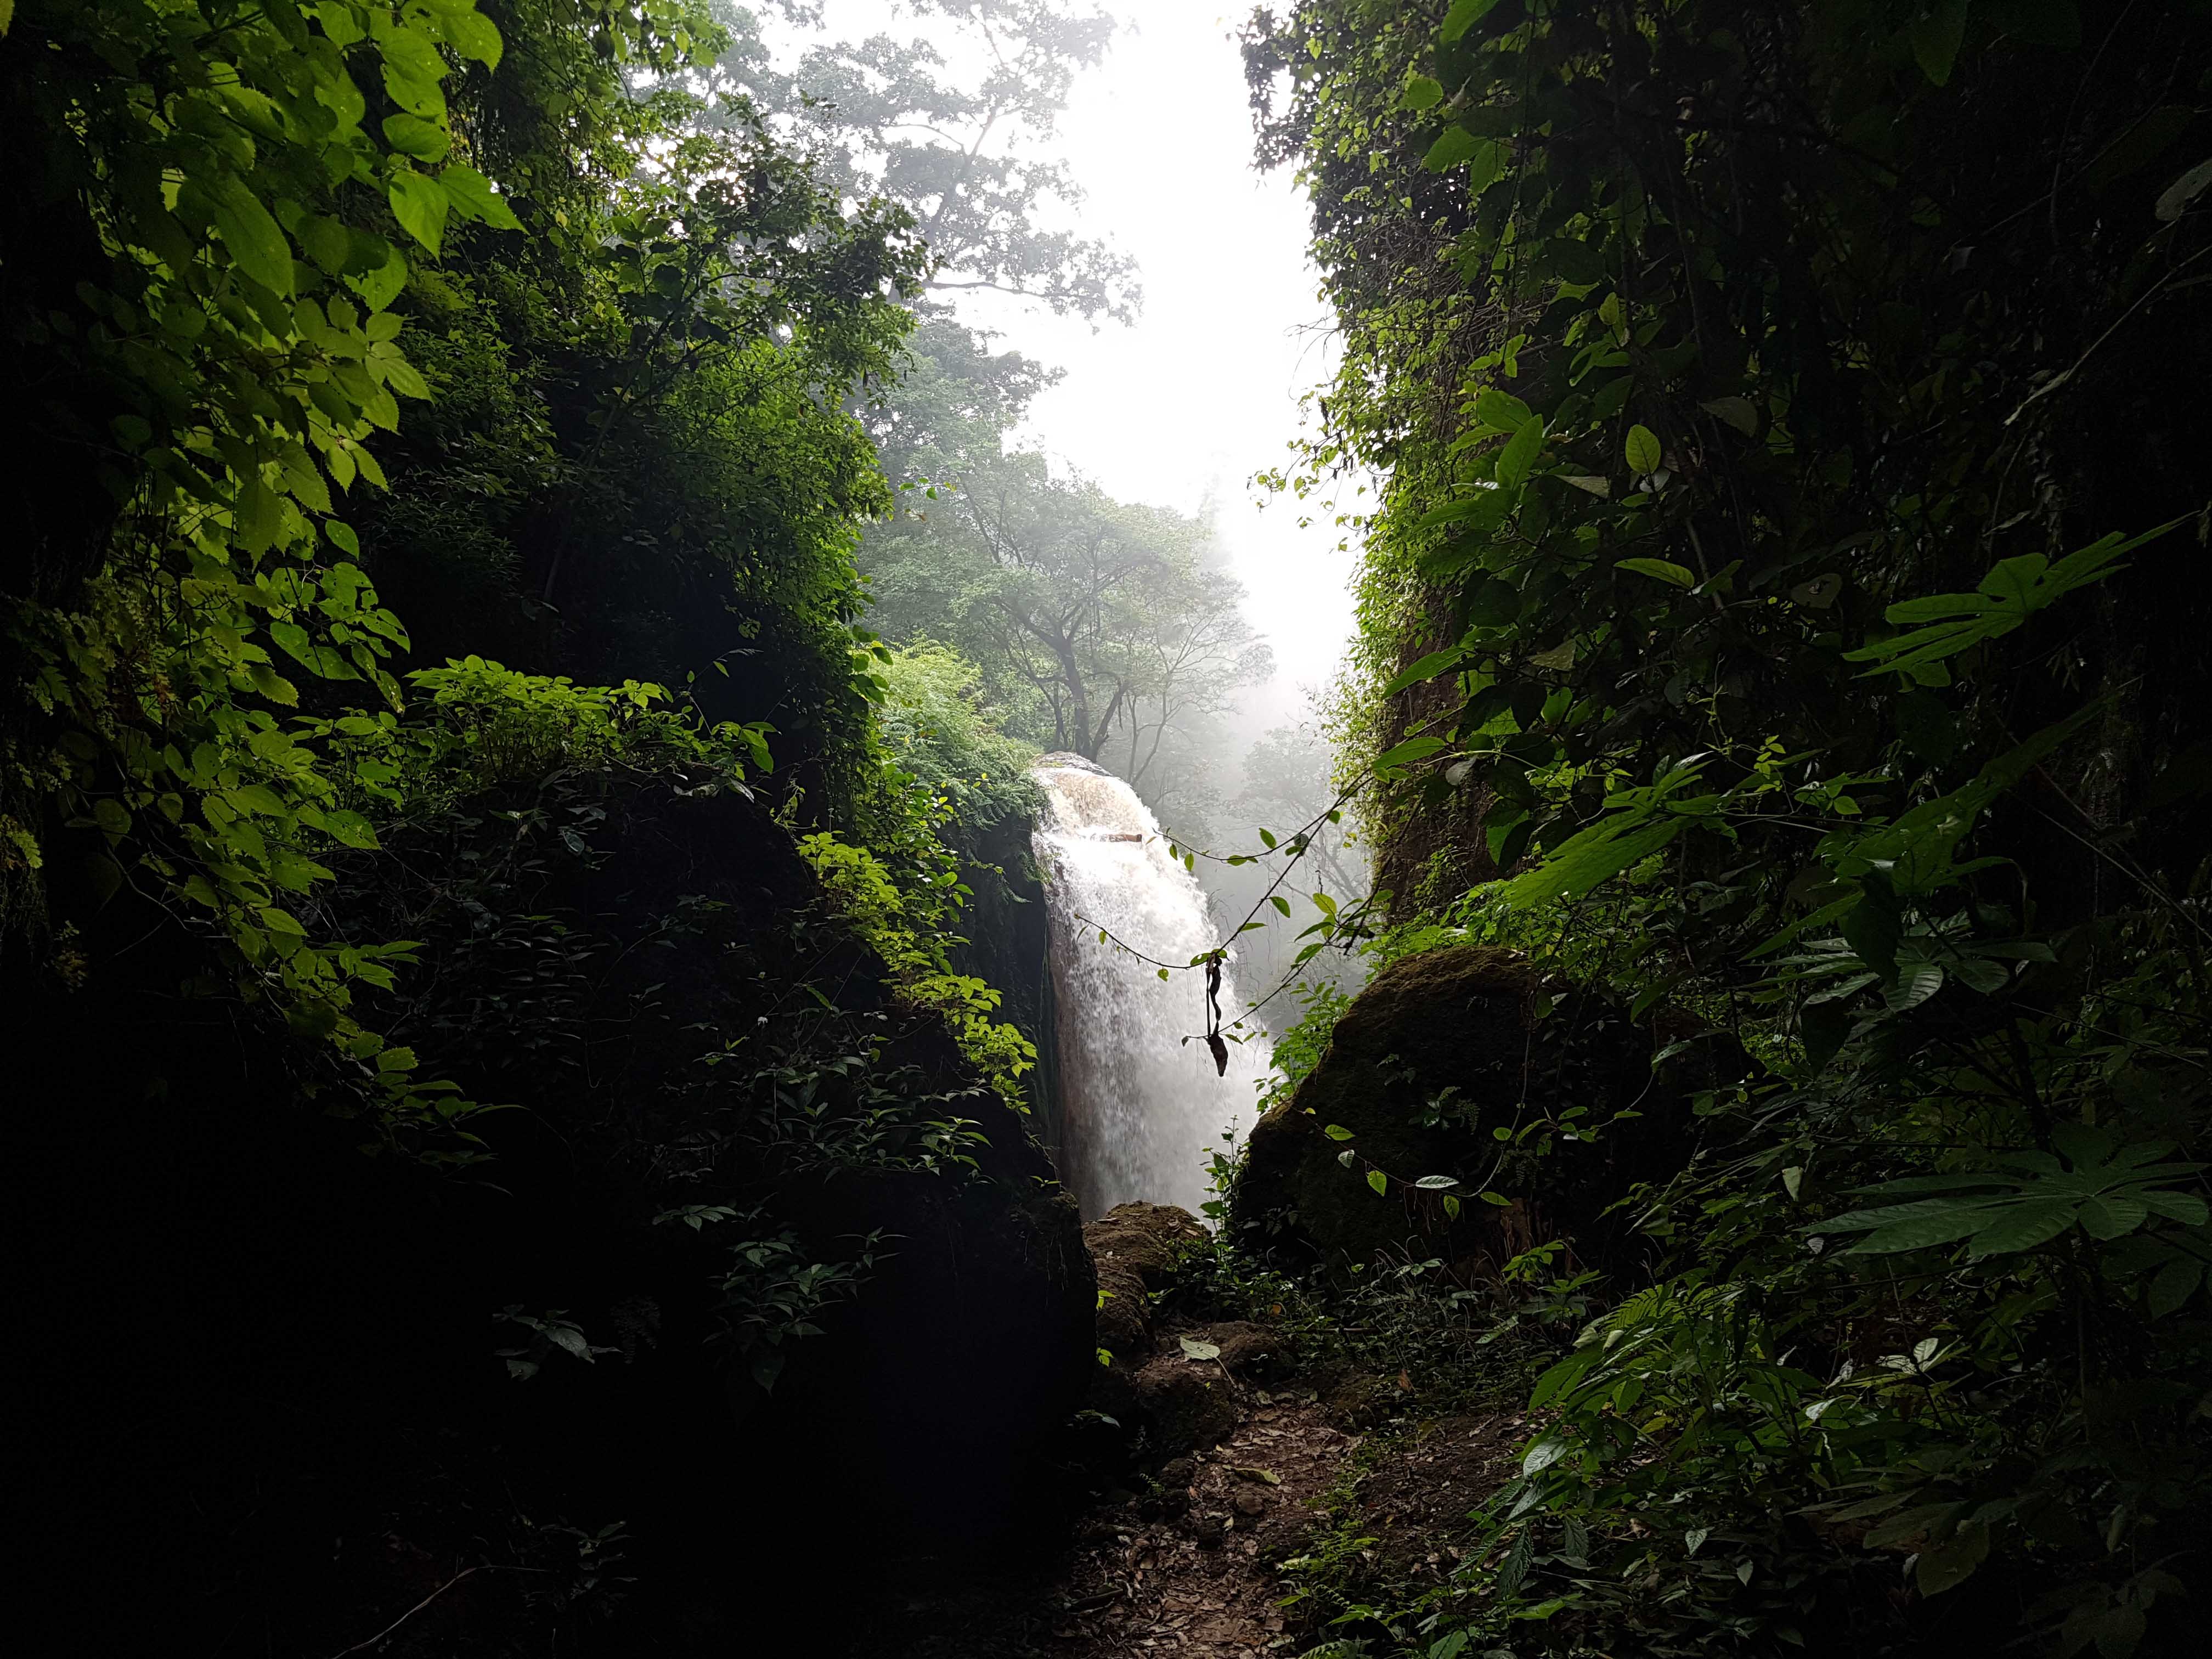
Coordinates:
x,y
1192,1570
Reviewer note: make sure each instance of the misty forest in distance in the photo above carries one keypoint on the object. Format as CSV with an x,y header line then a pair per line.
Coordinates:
x,y
966,828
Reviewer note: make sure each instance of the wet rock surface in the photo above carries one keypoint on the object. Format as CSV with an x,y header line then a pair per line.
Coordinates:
x,y
1439,1053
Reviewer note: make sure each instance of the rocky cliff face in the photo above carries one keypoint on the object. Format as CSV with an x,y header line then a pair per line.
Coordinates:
x,y
1008,944
1438,1055
779,1262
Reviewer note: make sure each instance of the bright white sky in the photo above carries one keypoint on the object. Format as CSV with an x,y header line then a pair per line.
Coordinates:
x,y
1203,392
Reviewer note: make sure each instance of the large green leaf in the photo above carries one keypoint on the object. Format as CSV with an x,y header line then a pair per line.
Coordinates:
x,y
420,203
2022,1226
252,235
473,197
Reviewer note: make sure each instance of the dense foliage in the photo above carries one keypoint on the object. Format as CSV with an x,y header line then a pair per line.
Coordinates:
x,y
433,655
1785,604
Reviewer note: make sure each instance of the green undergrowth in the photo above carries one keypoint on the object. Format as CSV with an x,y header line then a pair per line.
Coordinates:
x,y
907,928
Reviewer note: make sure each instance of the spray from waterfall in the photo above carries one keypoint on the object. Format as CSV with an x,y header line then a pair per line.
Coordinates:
x,y
1143,1110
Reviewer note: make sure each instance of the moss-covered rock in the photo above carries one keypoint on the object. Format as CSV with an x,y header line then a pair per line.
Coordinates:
x,y
1136,1249
1439,1053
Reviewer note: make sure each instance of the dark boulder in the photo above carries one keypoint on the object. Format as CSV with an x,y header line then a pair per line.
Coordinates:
x,y
1188,1404
1136,1249
1439,1053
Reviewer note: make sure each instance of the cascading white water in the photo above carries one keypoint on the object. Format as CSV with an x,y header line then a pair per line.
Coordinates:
x,y
1142,1110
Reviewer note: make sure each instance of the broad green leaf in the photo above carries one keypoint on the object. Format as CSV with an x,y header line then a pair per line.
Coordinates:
x,y
470,32
410,135
1379,1181
1454,146
1958,1222
2112,1215
1541,1455
1421,93
2022,1227
1336,1131
2178,198
421,204
1464,16
252,236
1562,1376
1437,663
2176,1283
1501,410
1915,983
1642,449
1520,454
1489,501
1406,753
1945,1565
1663,569
1595,855
1936,38
473,197
1738,412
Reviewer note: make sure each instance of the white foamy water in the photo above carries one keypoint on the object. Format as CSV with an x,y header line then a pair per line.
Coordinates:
x,y
1143,1111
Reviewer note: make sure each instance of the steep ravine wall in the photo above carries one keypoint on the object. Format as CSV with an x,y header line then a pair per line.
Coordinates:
x,y
1007,943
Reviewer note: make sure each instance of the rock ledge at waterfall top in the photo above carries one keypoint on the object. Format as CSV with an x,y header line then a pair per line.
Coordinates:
x,y
1067,760
1482,1023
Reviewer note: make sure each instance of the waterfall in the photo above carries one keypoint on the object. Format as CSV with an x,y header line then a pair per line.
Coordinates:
x,y
1142,1110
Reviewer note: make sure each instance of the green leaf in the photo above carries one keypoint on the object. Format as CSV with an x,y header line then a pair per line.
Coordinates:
x,y
1664,570
252,236
2178,198
1642,449
473,197
1421,93
1541,1455
470,34
1950,1563
1738,412
2176,1283
1501,409
1464,16
2022,1226
2113,1215
410,135
421,204
1336,1131
1953,1223
1520,454
1913,986
1379,1181
1406,753
1454,146
380,284
1428,668
1937,39
1194,1348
